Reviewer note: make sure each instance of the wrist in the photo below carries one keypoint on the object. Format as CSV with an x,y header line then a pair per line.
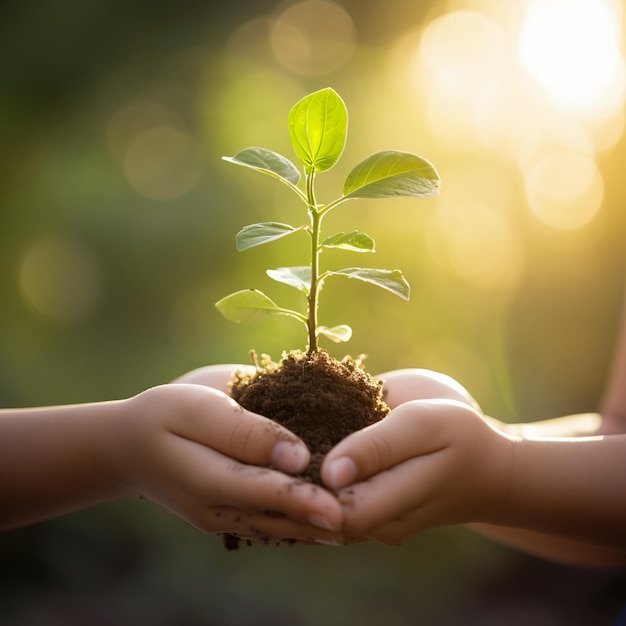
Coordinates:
x,y
113,445
494,466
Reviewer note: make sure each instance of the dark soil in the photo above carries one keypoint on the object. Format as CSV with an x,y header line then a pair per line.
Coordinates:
x,y
320,399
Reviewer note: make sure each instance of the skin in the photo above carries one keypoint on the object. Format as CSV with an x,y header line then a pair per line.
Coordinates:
x,y
554,489
187,447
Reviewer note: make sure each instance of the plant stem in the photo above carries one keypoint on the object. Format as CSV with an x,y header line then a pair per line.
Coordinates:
x,y
316,220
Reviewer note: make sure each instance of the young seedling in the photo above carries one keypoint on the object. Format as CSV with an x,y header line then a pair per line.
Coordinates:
x,y
318,129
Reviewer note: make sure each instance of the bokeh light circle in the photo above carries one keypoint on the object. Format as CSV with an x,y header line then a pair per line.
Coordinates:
x,y
464,52
163,163
565,190
61,278
313,38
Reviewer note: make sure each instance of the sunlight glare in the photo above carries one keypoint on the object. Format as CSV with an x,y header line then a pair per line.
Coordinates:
x,y
571,48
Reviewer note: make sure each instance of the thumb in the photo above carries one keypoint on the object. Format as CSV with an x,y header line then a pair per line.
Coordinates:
x,y
410,430
215,420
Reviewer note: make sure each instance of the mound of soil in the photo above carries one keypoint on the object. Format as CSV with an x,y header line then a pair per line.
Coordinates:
x,y
320,399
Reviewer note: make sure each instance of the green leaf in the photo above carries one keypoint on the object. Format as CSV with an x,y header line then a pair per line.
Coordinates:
x,y
298,277
391,280
251,305
267,162
336,333
258,234
391,174
318,126
355,241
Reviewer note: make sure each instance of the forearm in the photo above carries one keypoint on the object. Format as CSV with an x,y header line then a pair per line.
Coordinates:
x,y
598,541
548,545
553,548
573,489
579,425
51,460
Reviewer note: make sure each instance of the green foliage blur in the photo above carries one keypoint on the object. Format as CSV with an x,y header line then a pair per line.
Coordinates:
x,y
117,235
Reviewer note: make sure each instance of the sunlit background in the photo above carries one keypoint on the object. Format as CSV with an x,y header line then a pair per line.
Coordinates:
x,y
117,225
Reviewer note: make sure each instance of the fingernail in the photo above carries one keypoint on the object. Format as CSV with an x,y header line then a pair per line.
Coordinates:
x,y
322,522
342,472
290,457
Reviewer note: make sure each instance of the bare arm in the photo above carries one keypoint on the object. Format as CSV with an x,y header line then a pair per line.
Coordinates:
x,y
610,421
187,447
440,462
577,511
51,461
554,489
572,489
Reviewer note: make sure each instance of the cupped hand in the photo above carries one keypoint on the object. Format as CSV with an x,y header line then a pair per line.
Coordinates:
x,y
434,460
401,386
196,452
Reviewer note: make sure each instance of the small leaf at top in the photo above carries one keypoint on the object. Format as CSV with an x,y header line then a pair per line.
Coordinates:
x,y
251,305
318,126
355,241
267,162
391,280
258,234
298,277
391,174
336,333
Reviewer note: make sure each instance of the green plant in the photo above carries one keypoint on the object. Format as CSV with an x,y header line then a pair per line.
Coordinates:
x,y
318,128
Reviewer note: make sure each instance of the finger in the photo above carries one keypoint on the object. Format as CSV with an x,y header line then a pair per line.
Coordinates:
x,y
319,537
217,376
208,478
392,496
394,533
412,429
215,420
420,384
264,527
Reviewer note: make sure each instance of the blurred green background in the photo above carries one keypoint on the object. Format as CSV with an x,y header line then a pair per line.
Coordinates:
x,y
117,225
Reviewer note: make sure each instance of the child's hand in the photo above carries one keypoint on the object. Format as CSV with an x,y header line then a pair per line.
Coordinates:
x,y
433,461
216,376
193,450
